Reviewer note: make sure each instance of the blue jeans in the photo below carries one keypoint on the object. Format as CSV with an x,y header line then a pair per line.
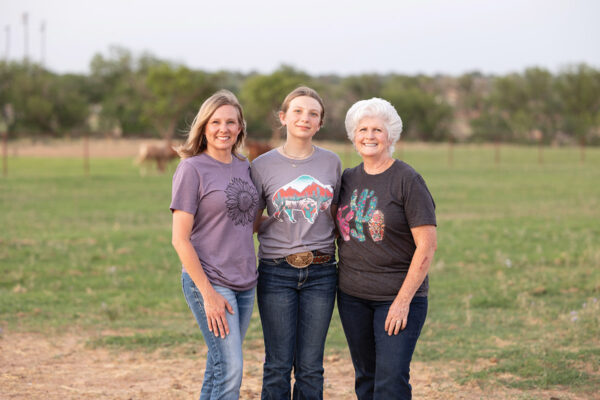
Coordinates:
x,y
224,364
295,310
381,362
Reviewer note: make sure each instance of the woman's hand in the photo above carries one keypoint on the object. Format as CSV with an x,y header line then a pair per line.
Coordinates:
x,y
215,307
397,317
425,237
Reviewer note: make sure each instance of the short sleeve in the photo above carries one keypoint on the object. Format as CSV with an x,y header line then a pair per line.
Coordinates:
x,y
186,185
257,180
419,206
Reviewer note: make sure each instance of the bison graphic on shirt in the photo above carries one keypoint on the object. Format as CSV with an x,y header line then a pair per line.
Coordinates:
x,y
304,196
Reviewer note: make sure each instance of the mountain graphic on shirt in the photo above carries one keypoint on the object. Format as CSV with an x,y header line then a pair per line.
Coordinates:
x,y
305,195
304,186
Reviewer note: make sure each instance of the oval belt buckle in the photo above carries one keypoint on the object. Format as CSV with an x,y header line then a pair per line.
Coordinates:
x,y
300,260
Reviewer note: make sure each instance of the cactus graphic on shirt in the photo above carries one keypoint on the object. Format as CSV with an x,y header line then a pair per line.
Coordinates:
x,y
377,226
360,215
344,222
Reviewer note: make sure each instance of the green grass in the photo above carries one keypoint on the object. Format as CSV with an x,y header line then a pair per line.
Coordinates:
x,y
515,285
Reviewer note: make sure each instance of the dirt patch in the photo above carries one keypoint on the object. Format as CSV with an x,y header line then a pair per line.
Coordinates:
x,y
33,366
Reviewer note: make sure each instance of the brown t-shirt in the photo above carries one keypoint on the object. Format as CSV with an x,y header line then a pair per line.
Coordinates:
x,y
375,215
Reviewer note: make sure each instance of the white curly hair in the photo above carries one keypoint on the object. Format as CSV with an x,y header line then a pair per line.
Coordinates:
x,y
375,108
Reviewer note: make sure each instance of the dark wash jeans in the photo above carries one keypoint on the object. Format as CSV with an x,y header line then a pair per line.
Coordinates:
x,y
295,308
381,362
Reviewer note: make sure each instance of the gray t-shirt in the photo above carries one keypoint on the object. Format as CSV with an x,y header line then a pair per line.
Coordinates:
x,y
223,200
374,217
298,195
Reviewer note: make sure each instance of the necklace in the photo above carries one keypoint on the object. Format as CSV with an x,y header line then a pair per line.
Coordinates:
x,y
302,157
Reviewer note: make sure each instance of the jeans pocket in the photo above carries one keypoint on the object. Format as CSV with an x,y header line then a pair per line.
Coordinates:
x,y
417,315
267,261
330,263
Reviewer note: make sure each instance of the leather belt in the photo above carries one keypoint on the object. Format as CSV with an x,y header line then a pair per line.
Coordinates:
x,y
305,258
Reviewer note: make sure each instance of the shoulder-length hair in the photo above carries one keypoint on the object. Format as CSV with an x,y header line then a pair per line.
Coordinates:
x,y
196,140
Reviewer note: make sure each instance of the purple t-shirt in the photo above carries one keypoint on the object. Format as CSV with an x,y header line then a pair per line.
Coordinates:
x,y
298,195
224,201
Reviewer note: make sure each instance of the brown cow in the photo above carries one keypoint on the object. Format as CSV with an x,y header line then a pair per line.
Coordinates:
x,y
161,154
256,148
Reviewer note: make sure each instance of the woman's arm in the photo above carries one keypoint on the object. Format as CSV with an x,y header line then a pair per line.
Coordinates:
x,y
214,304
334,208
259,219
426,241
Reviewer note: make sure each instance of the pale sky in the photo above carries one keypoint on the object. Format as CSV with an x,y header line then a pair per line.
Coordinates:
x,y
318,37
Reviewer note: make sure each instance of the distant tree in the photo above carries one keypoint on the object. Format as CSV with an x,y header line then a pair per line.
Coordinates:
x,y
262,95
578,88
520,107
330,90
172,94
425,116
118,84
231,81
339,94
127,94
543,99
361,87
474,89
71,101
42,102
490,125
508,102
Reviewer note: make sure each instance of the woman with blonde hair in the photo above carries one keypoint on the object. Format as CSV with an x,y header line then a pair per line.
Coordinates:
x,y
298,183
214,203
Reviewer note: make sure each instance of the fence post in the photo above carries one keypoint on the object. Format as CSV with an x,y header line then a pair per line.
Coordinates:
x,y
86,154
4,153
7,118
497,152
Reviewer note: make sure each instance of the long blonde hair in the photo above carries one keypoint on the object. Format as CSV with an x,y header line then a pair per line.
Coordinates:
x,y
196,140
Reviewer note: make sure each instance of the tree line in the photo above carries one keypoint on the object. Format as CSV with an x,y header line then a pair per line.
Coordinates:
x,y
130,96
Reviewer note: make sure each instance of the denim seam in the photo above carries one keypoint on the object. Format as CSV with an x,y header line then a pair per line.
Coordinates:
x,y
303,281
217,361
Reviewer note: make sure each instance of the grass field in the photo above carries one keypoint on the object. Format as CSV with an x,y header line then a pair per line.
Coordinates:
x,y
515,286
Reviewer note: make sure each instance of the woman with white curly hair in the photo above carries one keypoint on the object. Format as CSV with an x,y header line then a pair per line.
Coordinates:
x,y
386,219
